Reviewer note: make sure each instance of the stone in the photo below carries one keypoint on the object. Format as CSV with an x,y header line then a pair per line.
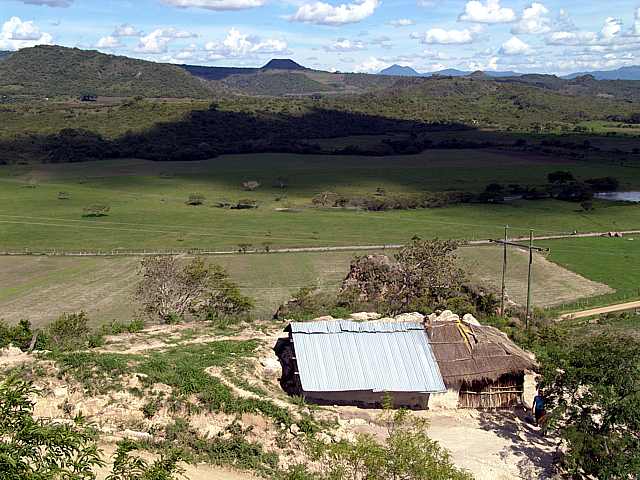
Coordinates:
x,y
324,318
471,320
323,437
143,436
11,351
447,316
364,316
410,317
271,367
294,429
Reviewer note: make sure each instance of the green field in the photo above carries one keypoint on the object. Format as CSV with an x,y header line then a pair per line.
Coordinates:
x,y
148,209
612,261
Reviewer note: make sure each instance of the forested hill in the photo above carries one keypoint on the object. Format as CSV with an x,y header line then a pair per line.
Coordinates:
x,y
53,70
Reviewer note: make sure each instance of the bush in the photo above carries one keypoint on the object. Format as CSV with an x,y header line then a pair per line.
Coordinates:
x,y
605,184
97,210
19,336
40,449
195,199
407,453
71,332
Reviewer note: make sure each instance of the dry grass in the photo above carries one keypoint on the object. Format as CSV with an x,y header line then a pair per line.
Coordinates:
x,y
41,288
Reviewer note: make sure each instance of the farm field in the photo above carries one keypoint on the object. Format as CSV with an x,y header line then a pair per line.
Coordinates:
x,y
148,210
40,288
612,261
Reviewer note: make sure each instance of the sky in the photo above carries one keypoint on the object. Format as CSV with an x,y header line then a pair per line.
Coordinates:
x,y
547,36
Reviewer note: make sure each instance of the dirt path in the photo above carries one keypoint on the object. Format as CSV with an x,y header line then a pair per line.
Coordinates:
x,y
620,307
342,248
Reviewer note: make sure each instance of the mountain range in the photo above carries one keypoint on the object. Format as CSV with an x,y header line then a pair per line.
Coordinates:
x,y
623,73
400,71
50,71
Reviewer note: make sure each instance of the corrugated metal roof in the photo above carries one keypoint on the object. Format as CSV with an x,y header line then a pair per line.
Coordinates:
x,y
341,355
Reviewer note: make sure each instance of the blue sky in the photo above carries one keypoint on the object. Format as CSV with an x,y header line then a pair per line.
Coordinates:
x,y
349,35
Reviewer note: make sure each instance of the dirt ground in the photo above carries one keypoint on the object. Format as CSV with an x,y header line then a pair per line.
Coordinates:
x,y
40,288
491,445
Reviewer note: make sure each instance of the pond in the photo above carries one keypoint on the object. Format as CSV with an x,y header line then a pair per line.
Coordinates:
x,y
619,196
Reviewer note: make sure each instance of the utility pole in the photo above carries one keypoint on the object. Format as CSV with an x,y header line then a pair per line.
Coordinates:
x,y
526,321
531,249
504,269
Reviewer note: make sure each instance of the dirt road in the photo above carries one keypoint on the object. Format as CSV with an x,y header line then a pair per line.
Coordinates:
x,y
620,307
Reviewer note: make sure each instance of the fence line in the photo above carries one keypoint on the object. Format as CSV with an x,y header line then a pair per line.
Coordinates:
x,y
198,251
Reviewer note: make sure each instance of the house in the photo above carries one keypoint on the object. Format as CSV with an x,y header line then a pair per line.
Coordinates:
x,y
342,362
480,365
89,97
437,364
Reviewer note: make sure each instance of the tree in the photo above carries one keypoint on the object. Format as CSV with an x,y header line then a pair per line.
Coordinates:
x,y
169,291
96,210
593,391
407,454
33,449
430,272
560,177
195,199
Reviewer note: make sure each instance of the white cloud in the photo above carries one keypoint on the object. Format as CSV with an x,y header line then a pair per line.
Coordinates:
x,y
109,42
345,45
534,20
219,5
515,46
612,27
49,3
401,22
636,23
16,34
126,30
439,36
489,12
237,44
326,14
371,65
571,38
158,40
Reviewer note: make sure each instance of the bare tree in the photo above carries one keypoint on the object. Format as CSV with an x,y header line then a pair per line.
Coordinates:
x,y
169,291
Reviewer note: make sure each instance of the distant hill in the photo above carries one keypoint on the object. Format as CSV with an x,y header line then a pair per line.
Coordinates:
x,y
624,73
282,64
399,71
4,55
53,70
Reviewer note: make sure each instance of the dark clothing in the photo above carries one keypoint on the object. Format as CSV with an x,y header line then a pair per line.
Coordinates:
x,y
538,408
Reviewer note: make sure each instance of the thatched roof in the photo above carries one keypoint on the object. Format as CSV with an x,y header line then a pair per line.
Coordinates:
x,y
469,353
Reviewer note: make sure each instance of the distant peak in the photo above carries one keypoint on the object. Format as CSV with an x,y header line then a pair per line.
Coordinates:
x,y
283,64
399,70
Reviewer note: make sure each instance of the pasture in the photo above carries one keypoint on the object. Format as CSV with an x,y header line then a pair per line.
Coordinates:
x,y
40,288
42,207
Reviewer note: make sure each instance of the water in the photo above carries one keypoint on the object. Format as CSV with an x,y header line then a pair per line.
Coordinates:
x,y
619,196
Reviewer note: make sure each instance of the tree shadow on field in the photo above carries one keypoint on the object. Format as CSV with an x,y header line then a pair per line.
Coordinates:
x,y
207,133
526,442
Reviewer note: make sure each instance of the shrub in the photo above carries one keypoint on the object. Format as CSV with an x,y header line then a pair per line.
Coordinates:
x,y
195,199
19,335
97,210
71,332
407,453
605,184
38,449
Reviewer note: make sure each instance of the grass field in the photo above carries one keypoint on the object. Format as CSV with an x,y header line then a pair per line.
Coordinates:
x,y
612,261
41,288
148,209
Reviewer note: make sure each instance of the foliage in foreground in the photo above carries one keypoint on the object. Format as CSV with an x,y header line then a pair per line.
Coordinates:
x,y
593,389
32,449
407,453
169,291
